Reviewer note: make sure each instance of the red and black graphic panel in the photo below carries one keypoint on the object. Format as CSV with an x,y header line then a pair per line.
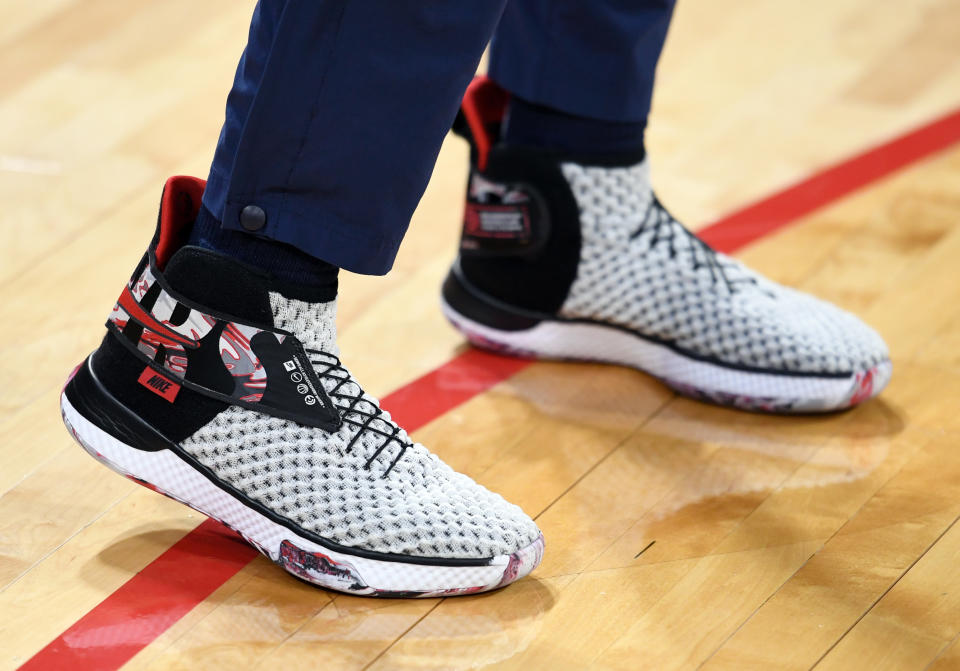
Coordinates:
x,y
261,368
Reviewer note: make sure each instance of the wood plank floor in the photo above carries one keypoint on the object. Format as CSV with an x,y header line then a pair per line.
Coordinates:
x,y
679,535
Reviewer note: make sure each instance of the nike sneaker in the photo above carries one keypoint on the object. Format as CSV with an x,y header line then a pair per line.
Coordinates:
x,y
573,257
222,388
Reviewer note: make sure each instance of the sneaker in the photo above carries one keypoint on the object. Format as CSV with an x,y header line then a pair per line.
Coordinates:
x,y
222,388
573,257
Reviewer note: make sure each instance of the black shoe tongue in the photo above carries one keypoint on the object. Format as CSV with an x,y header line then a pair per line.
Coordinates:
x,y
220,284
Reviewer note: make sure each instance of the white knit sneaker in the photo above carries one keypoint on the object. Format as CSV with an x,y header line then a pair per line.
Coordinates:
x,y
220,388
575,258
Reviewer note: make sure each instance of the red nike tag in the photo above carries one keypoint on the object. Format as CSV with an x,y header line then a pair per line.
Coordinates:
x,y
158,384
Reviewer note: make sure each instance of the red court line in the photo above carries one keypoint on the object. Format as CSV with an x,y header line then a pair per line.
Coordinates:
x,y
468,374
765,216
150,602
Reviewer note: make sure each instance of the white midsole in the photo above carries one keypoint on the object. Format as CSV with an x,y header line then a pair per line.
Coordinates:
x,y
175,477
595,342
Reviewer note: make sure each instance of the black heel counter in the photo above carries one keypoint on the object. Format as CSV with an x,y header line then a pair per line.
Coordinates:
x,y
531,270
89,398
107,391
473,304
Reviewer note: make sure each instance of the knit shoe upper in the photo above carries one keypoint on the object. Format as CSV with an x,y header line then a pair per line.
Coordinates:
x,y
572,257
366,485
220,384
641,269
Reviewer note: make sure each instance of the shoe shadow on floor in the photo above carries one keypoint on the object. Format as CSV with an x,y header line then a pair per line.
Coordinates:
x,y
139,546
608,395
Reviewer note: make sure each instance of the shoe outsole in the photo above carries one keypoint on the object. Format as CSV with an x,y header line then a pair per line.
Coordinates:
x,y
164,472
703,380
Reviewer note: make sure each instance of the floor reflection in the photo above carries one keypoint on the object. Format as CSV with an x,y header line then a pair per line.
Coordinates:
x,y
440,634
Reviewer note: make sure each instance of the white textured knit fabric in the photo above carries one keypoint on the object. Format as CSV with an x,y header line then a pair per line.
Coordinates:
x,y
640,269
421,507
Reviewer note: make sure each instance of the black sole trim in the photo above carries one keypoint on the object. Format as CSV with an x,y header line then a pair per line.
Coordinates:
x,y
98,406
477,306
474,304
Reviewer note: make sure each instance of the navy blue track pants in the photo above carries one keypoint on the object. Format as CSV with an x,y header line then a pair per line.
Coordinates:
x,y
339,107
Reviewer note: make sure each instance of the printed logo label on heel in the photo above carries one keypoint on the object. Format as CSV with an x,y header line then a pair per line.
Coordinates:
x,y
497,221
503,219
158,384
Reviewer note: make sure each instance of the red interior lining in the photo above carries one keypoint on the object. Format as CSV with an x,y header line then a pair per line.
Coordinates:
x,y
484,104
179,206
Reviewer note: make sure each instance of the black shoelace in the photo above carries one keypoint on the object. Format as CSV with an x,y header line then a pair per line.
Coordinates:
x,y
665,228
357,410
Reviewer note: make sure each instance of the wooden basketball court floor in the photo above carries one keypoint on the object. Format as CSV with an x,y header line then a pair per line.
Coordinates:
x,y
679,535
